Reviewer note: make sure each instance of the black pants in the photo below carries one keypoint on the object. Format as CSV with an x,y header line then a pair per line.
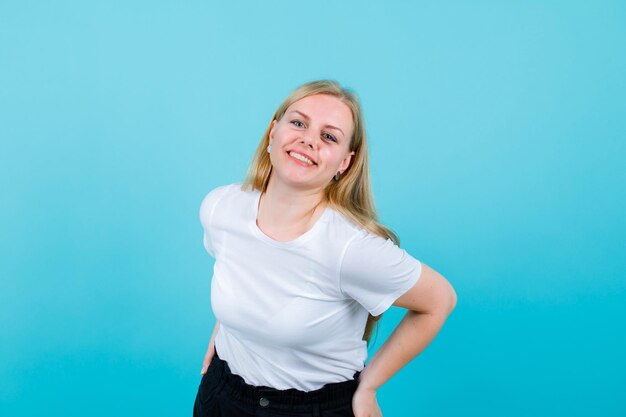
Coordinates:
x,y
224,394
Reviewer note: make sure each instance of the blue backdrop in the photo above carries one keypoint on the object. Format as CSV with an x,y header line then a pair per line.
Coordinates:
x,y
497,137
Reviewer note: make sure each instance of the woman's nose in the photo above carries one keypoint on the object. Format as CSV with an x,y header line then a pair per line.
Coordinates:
x,y
307,139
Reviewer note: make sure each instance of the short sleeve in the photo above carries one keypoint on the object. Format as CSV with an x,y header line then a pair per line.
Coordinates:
x,y
376,272
206,215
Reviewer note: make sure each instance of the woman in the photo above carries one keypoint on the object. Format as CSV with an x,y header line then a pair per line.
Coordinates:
x,y
303,271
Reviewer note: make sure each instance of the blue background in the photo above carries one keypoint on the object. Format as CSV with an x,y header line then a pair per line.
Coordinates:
x,y
497,137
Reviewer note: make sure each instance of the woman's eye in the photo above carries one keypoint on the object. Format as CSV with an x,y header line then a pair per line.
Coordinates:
x,y
297,123
330,137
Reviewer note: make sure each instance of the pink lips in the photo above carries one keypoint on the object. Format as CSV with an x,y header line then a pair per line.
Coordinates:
x,y
303,154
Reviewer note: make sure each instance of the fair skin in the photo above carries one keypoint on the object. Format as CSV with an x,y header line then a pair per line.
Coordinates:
x,y
320,127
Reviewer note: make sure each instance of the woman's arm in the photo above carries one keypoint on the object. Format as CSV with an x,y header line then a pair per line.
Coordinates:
x,y
429,302
210,350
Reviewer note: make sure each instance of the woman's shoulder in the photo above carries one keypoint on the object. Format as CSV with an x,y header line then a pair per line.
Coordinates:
x,y
360,240
225,188
220,190
351,229
217,194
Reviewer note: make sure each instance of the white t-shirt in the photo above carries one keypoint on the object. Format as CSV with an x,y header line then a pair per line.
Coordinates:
x,y
292,314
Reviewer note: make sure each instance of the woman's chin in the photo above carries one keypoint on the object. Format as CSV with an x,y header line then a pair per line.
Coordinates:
x,y
297,180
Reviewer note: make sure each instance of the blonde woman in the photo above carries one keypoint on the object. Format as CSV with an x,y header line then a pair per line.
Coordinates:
x,y
303,271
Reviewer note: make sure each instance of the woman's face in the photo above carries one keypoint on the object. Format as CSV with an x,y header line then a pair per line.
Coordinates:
x,y
317,128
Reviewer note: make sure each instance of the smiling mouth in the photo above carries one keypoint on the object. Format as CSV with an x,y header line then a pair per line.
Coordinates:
x,y
301,158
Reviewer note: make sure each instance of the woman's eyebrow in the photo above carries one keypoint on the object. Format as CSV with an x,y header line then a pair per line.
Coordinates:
x,y
308,118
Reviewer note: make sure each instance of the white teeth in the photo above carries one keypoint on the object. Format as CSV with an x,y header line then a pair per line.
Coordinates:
x,y
301,158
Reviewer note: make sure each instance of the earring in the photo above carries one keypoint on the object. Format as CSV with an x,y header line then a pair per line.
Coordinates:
x,y
269,148
336,176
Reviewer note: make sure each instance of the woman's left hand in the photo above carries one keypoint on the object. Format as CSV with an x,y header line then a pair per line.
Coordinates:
x,y
364,403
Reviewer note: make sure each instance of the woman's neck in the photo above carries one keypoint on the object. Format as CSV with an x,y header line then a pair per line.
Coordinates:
x,y
284,210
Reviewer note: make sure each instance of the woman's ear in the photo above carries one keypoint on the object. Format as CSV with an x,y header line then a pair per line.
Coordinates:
x,y
345,162
272,125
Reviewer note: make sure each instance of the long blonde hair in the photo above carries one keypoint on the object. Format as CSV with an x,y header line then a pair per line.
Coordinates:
x,y
351,195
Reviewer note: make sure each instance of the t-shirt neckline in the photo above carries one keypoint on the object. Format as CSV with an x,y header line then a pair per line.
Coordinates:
x,y
254,211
